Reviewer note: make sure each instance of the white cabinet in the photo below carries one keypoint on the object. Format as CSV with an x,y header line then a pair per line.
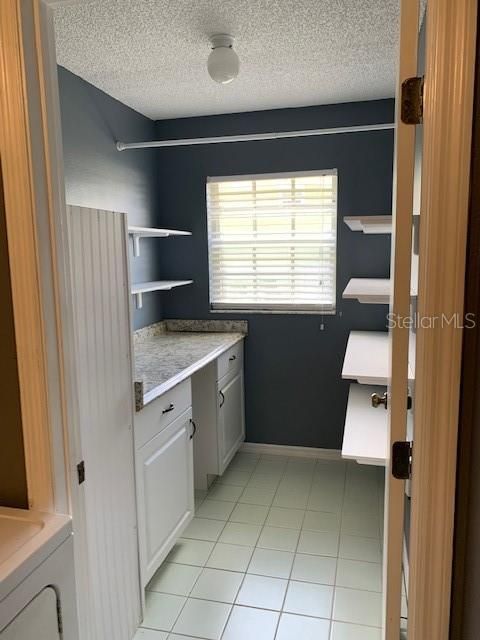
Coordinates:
x,y
218,411
164,471
231,420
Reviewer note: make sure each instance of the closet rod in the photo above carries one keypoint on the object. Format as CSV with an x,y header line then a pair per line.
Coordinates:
x,y
251,137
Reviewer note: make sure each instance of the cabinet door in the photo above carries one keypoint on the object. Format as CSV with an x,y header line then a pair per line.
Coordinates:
x,y
231,419
165,492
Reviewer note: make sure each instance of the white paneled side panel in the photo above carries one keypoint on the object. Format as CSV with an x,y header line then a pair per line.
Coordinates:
x,y
98,245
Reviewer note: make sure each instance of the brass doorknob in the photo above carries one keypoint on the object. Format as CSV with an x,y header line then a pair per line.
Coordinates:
x,y
378,400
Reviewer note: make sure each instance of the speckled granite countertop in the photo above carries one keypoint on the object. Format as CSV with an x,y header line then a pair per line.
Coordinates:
x,y
169,352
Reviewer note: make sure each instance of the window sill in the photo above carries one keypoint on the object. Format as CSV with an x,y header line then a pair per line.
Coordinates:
x,y
281,312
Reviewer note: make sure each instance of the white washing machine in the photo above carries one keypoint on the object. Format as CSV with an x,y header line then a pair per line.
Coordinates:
x,y
37,587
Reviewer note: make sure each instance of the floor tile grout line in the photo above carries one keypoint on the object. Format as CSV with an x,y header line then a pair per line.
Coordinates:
x,y
282,610
338,552
250,546
265,523
203,568
236,502
338,559
256,547
258,575
249,606
296,552
355,624
351,535
169,633
244,574
269,507
277,626
352,624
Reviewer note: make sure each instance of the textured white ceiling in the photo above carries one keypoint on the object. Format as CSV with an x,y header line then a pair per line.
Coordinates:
x,y
151,54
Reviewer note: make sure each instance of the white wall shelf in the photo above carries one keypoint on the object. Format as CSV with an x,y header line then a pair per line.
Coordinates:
x,y
377,290
365,437
368,290
367,358
159,285
147,232
369,224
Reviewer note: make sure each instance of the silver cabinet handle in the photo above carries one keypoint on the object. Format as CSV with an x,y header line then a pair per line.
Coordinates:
x,y
194,429
170,407
223,399
378,400
232,358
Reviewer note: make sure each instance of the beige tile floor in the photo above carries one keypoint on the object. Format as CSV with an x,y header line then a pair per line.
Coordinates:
x,y
279,549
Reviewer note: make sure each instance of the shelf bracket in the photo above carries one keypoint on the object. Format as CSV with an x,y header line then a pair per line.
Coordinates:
x,y
136,245
138,300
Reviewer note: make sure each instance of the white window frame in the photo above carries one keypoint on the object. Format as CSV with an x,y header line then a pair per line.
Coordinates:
x,y
320,310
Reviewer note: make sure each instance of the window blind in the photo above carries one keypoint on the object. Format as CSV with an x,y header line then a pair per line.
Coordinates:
x,y
272,242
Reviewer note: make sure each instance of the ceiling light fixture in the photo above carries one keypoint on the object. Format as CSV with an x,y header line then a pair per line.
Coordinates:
x,y
223,63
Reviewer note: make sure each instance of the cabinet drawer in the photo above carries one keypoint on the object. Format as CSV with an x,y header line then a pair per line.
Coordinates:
x,y
231,361
161,412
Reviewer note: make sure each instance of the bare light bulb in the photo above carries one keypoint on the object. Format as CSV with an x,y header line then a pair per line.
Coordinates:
x,y
223,63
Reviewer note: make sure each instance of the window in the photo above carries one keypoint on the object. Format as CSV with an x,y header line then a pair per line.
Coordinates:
x,y
272,242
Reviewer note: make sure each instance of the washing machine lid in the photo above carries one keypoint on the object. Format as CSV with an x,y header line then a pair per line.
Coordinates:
x,y
15,532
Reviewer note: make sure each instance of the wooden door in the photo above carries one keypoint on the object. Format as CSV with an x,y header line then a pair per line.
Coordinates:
x,y
400,312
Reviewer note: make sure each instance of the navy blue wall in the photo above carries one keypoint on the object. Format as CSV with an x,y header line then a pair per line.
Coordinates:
x,y
294,392
98,176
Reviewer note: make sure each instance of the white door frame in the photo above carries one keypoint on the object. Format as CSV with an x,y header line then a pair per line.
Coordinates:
x,y
33,223
445,186
448,108
32,147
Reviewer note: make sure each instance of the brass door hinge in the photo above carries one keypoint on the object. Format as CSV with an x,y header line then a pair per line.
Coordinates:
x,y
412,101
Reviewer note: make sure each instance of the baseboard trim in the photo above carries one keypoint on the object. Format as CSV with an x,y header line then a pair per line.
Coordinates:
x,y
286,450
